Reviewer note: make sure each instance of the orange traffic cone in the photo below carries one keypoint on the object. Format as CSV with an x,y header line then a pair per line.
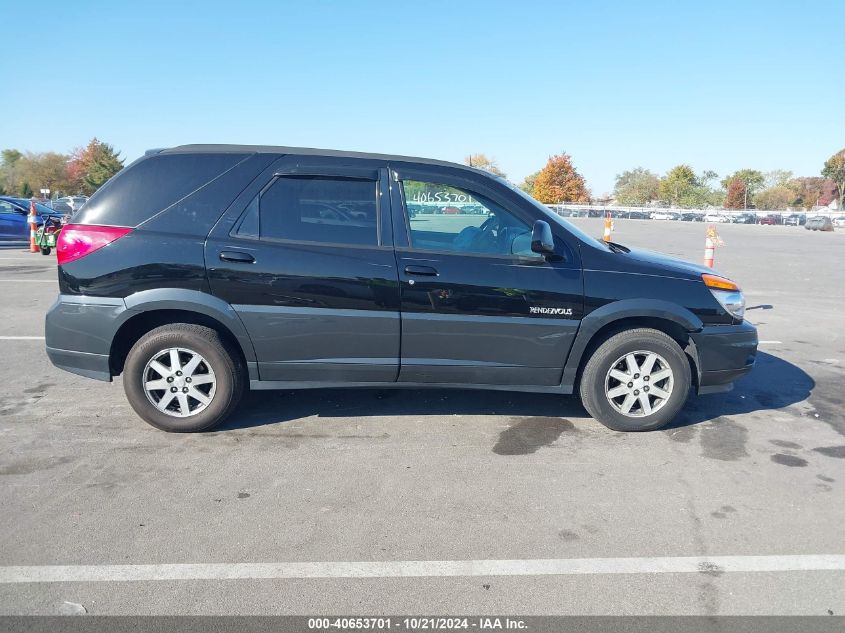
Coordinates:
x,y
608,228
710,243
33,227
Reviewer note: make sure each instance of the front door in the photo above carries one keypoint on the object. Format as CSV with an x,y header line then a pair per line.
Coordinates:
x,y
478,306
308,265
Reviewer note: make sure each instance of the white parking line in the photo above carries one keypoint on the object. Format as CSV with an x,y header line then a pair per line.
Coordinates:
x,y
21,338
427,569
769,342
29,281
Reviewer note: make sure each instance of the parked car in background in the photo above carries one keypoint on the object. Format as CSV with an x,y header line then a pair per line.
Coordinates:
x,y
795,219
819,223
840,221
661,215
14,220
58,205
745,218
771,219
74,202
716,217
692,217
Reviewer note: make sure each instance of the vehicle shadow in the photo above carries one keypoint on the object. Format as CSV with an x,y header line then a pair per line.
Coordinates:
x,y
774,383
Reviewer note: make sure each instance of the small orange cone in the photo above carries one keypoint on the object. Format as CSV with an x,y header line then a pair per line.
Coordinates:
x,y
33,227
608,228
710,243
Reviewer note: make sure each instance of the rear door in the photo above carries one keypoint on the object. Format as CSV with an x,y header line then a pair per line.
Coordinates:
x,y
478,306
305,257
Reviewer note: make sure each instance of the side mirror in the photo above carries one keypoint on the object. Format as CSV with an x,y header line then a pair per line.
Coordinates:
x,y
542,241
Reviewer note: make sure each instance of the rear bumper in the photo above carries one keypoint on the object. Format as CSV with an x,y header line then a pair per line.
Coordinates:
x,y
79,332
724,354
89,365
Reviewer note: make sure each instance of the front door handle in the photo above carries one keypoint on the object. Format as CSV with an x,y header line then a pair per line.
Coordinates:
x,y
427,271
237,256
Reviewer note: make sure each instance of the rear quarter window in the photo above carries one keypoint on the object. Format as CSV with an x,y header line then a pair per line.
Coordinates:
x,y
151,185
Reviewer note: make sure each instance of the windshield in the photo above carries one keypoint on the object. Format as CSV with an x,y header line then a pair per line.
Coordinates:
x,y
579,233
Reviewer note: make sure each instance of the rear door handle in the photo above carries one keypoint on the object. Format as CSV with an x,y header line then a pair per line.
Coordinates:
x,y
427,271
237,256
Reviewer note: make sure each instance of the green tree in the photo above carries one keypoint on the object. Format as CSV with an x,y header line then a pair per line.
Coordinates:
x,y
480,161
8,162
636,187
678,185
834,168
528,183
25,190
559,181
777,178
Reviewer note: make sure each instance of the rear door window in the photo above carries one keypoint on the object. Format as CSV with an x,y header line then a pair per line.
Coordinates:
x,y
323,209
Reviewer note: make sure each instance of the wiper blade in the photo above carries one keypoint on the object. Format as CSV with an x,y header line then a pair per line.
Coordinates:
x,y
617,248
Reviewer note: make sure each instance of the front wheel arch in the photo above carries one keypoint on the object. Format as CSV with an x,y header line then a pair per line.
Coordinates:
x,y
673,329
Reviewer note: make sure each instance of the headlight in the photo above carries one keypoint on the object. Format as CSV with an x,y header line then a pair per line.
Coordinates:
x,y
727,293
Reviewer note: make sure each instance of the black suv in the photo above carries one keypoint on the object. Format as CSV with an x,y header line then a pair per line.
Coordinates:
x,y
199,271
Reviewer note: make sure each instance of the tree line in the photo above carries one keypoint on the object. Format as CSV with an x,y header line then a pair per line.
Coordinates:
x,y
81,172
681,186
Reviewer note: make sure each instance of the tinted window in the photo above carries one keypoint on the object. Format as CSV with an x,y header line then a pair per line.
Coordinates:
x,y
320,209
151,185
445,218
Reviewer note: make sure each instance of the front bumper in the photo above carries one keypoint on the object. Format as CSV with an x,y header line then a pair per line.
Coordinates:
x,y
725,352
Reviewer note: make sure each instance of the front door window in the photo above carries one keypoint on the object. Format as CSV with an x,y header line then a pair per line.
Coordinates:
x,y
449,219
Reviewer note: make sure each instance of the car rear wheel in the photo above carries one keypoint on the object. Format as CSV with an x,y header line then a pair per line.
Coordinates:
x,y
636,380
183,378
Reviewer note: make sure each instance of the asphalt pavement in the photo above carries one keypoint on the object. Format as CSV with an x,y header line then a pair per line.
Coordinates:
x,y
433,501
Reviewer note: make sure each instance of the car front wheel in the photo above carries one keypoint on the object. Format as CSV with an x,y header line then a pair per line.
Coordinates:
x,y
636,380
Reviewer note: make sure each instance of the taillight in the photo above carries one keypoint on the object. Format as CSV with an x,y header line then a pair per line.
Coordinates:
x,y
79,240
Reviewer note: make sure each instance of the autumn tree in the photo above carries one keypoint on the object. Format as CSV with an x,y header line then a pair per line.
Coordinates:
x,y
560,182
480,161
754,180
636,187
807,190
774,198
91,166
47,170
834,169
737,194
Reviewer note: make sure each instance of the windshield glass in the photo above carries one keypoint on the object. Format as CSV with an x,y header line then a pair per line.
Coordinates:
x,y
569,226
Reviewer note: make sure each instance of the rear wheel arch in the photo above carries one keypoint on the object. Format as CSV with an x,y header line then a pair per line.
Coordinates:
x,y
139,324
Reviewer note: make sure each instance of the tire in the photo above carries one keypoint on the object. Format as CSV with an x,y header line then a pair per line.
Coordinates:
x,y
597,382
219,377
45,250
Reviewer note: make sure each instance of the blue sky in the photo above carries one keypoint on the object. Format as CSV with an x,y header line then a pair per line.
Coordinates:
x,y
718,85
